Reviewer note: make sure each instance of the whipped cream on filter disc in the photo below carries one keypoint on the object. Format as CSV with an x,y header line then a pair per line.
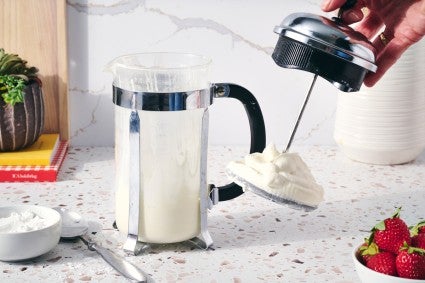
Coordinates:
x,y
281,177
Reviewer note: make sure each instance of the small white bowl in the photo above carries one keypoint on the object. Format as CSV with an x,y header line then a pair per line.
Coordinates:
x,y
16,246
368,275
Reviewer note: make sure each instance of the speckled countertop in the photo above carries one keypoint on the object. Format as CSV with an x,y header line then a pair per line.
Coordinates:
x,y
254,240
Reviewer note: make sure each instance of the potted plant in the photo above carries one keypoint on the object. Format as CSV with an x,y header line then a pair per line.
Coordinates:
x,y
21,103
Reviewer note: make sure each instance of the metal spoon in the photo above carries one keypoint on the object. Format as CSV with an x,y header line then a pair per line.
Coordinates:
x,y
74,226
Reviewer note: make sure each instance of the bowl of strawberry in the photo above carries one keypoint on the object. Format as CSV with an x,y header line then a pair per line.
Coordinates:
x,y
393,252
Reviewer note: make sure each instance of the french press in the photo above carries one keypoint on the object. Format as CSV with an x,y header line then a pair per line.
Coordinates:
x,y
161,139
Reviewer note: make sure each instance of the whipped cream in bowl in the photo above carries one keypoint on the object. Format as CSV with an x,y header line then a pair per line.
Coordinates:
x,y
281,177
28,231
21,222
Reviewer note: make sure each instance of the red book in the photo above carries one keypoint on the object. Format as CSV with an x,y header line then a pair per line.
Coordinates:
x,y
35,173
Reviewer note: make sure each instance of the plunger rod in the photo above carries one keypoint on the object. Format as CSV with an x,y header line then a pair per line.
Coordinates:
x,y
300,115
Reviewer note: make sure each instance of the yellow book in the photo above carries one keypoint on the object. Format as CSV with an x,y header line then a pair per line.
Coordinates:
x,y
39,153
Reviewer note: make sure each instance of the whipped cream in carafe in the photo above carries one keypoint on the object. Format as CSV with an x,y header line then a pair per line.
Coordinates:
x,y
171,94
170,177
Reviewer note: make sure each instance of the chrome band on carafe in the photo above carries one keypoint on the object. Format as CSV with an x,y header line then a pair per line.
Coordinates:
x,y
156,101
204,240
131,245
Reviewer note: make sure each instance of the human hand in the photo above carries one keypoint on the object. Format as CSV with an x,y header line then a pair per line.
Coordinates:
x,y
404,22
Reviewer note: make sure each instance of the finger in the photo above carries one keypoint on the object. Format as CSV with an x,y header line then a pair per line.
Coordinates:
x,y
352,16
331,5
370,25
386,59
381,41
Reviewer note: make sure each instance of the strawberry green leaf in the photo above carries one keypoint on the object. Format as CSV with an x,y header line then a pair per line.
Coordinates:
x,y
414,230
371,249
396,213
380,226
411,249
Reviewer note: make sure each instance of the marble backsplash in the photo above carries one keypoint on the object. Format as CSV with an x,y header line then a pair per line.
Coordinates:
x,y
238,36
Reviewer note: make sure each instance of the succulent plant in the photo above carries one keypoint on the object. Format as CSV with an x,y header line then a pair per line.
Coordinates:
x,y
21,103
14,74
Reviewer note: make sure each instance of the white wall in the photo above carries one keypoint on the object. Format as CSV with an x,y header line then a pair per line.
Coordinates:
x,y
237,34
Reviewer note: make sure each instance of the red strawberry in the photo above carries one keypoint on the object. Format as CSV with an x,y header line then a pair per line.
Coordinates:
x,y
418,235
418,241
368,250
391,233
410,263
383,262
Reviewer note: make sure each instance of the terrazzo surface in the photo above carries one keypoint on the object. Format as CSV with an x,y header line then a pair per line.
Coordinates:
x,y
254,240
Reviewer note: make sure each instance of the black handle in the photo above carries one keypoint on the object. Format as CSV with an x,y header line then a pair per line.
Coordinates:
x,y
256,124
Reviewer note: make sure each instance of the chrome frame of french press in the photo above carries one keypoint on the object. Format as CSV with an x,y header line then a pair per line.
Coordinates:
x,y
209,194
149,101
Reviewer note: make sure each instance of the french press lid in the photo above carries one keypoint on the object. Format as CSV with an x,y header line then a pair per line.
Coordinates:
x,y
326,47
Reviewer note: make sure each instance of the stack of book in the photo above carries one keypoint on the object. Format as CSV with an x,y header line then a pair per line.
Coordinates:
x,y
38,163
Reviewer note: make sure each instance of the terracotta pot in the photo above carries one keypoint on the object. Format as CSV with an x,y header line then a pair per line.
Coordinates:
x,y
22,124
